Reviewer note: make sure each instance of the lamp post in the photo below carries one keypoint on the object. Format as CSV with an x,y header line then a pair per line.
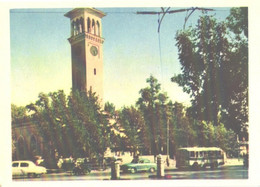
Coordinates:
x,y
167,159
167,137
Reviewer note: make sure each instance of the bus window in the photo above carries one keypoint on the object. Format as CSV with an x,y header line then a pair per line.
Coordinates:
x,y
201,154
192,154
219,154
211,154
197,154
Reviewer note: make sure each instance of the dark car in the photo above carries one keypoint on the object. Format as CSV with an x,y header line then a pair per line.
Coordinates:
x,y
139,165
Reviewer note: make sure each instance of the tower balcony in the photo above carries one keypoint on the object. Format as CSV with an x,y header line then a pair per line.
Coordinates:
x,y
85,35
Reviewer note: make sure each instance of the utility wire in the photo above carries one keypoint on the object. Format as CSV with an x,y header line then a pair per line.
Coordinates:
x,y
160,19
160,51
106,12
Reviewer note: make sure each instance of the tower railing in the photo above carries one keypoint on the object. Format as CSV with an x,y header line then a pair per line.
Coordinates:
x,y
88,35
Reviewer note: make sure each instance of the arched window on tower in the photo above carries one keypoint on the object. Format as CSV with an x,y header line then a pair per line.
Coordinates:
x,y
88,25
93,28
98,28
82,25
73,28
77,27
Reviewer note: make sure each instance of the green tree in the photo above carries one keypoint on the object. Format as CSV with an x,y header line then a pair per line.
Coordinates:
x,y
132,122
89,123
183,132
238,21
236,72
214,73
153,106
110,109
18,114
73,125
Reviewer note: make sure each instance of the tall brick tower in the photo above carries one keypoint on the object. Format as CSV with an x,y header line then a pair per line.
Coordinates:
x,y
86,50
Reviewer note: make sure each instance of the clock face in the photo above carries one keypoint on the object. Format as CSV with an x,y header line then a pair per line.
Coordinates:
x,y
94,50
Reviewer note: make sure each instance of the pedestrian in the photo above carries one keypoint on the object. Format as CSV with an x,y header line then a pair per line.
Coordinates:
x,y
71,159
60,162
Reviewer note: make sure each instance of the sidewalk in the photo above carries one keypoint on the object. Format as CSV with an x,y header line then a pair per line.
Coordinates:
x,y
234,161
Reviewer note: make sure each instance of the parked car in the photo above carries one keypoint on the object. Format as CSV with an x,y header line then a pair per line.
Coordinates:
x,y
27,168
139,165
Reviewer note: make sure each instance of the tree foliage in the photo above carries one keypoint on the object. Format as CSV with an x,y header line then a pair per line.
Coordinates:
x,y
153,105
18,113
76,125
73,125
132,123
238,21
215,71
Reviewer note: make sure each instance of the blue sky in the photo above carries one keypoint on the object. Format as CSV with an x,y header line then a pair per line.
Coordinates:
x,y
41,59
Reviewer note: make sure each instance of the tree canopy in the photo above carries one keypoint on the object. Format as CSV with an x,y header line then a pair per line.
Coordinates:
x,y
73,125
215,69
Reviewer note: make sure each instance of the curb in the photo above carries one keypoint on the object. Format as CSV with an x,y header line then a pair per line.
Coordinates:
x,y
162,177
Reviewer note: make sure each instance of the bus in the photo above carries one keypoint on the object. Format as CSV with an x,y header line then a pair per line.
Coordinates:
x,y
200,157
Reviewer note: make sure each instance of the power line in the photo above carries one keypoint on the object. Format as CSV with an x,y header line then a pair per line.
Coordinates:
x,y
163,12
63,12
168,11
106,12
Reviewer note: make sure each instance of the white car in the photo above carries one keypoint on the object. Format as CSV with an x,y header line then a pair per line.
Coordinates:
x,y
27,168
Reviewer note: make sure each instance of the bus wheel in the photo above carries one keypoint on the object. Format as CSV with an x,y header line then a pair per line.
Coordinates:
x,y
214,165
195,166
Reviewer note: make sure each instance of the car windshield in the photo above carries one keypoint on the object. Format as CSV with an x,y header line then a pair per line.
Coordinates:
x,y
15,164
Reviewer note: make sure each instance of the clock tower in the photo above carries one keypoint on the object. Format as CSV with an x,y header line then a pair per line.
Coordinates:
x,y
86,50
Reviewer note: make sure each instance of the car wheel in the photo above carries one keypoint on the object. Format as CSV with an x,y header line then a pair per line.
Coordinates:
x,y
39,175
133,170
31,175
152,170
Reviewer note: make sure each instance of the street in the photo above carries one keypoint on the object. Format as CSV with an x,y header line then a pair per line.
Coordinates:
x,y
223,172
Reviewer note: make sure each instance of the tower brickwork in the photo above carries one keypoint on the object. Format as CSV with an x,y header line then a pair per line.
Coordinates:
x,y
86,49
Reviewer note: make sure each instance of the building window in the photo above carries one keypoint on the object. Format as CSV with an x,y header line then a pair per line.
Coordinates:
x,y
82,25
95,71
93,29
98,28
88,25
33,145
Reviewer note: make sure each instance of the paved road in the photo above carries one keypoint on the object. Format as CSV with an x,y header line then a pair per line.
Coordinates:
x,y
224,172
